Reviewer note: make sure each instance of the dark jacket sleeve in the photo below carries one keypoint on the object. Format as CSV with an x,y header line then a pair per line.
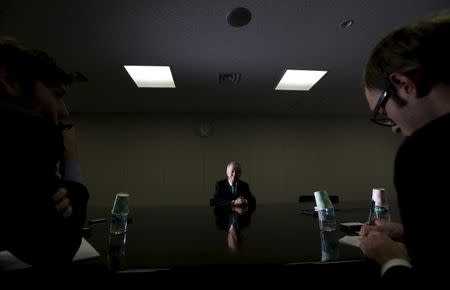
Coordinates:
x,y
36,233
249,196
399,275
79,196
220,195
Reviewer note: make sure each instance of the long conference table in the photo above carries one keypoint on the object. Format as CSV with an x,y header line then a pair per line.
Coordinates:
x,y
174,238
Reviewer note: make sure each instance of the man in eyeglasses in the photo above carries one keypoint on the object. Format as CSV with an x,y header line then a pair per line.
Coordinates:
x,y
407,85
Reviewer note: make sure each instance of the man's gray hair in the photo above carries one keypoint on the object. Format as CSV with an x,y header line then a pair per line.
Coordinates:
x,y
233,163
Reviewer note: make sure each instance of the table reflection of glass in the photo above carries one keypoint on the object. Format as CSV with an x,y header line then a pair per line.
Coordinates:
x,y
117,251
329,242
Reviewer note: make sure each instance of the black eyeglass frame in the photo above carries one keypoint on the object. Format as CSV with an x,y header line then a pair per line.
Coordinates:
x,y
382,100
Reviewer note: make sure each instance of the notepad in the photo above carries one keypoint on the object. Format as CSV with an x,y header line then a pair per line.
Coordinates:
x,y
9,262
351,240
86,251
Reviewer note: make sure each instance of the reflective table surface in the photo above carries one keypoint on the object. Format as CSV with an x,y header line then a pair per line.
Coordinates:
x,y
168,237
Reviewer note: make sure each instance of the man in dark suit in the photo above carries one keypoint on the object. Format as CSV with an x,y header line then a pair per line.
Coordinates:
x,y
42,211
407,86
233,192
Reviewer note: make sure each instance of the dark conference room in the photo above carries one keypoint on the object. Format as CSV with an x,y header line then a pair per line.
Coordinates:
x,y
154,139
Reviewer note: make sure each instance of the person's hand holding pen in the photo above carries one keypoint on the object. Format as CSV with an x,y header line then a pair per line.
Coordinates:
x,y
392,230
381,248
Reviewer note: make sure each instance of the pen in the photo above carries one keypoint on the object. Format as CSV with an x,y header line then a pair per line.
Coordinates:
x,y
96,221
308,212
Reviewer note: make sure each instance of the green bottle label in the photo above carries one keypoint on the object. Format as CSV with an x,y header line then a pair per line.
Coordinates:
x,y
380,210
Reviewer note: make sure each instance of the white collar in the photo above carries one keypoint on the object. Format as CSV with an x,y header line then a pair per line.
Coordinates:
x,y
231,183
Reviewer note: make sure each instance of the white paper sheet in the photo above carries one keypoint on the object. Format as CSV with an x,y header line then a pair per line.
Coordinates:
x,y
9,262
351,240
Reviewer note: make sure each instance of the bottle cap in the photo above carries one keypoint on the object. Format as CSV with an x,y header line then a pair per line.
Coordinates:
x,y
120,203
322,200
379,197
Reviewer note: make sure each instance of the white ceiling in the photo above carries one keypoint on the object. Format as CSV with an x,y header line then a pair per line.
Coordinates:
x,y
98,37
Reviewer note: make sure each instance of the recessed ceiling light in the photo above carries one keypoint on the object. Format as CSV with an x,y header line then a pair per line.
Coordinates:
x,y
299,80
239,17
347,23
151,76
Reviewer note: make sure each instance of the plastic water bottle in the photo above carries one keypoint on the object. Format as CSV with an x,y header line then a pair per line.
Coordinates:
x,y
327,219
371,218
382,212
119,214
119,223
379,210
325,209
